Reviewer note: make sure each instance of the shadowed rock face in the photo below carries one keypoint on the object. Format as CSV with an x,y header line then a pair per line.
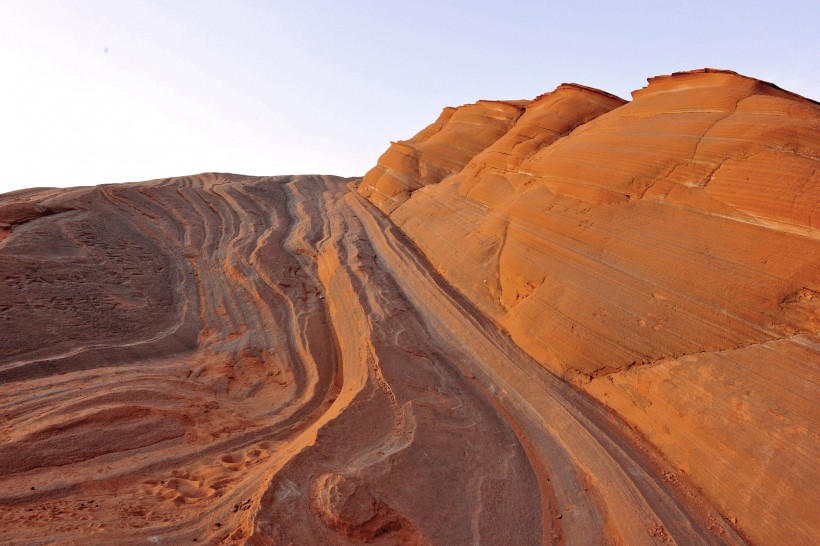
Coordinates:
x,y
571,320
222,358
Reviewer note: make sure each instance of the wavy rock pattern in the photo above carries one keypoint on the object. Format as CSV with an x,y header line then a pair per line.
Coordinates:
x,y
268,361
582,321
194,337
664,255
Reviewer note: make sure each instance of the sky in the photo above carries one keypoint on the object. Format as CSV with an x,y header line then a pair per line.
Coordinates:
x,y
96,92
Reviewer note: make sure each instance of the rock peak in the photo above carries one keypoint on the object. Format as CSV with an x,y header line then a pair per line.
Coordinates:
x,y
713,77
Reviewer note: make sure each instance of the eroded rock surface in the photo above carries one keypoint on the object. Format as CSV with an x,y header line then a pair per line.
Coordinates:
x,y
664,255
571,320
222,358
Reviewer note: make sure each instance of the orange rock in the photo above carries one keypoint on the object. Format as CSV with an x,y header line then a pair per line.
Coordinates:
x,y
598,322
219,358
441,149
681,223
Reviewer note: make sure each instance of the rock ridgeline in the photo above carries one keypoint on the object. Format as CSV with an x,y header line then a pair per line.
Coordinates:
x,y
663,254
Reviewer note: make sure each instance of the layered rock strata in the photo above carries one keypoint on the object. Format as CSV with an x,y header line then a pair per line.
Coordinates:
x,y
220,359
571,320
664,255
237,360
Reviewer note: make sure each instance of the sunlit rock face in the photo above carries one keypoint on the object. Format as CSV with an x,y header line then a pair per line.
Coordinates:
x,y
663,255
438,151
567,320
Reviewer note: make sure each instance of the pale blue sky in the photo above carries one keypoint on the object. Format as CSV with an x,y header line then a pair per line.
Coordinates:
x,y
321,87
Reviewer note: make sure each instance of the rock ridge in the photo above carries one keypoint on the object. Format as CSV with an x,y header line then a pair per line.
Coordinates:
x,y
644,247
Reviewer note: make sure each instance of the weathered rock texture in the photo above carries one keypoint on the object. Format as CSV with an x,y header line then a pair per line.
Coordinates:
x,y
665,256
584,321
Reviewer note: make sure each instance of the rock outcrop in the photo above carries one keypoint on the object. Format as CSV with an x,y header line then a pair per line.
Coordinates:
x,y
438,151
220,359
571,320
664,255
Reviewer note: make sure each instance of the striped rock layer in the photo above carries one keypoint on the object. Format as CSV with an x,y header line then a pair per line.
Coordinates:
x,y
661,254
571,320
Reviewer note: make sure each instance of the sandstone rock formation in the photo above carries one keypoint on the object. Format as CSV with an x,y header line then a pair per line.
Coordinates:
x,y
571,320
665,256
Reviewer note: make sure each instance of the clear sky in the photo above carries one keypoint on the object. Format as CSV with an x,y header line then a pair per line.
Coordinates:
x,y
112,90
